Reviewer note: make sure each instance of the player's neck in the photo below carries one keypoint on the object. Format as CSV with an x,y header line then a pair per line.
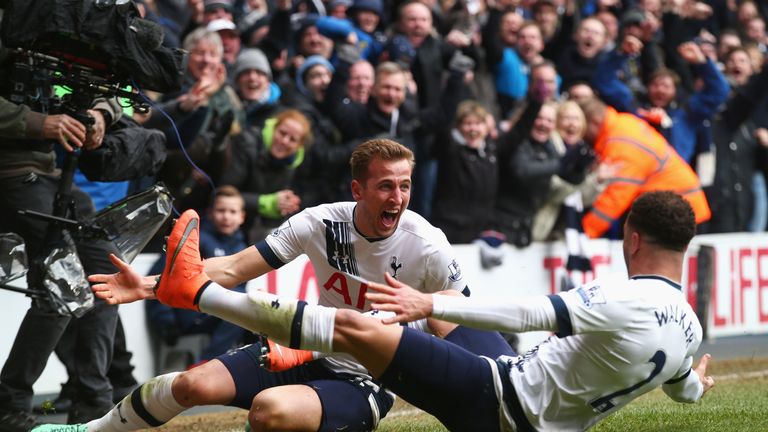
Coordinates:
x,y
661,263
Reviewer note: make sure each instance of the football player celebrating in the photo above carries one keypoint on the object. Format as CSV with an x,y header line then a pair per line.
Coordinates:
x,y
348,244
616,338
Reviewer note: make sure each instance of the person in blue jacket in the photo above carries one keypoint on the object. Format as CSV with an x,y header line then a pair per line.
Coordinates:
x,y
684,124
360,29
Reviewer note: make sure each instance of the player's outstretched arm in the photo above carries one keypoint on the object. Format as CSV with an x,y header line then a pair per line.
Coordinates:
x,y
125,286
231,270
407,303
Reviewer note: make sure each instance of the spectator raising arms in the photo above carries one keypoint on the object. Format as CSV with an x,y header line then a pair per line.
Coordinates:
x,y
682,122
467,175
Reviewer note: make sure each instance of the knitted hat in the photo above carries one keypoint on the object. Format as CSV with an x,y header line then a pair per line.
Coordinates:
x,y
334,3
632,17
374,6
308,64
252,58
212,5
400,50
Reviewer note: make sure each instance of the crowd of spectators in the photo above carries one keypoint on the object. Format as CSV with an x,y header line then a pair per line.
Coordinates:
x,y
522,114
490,94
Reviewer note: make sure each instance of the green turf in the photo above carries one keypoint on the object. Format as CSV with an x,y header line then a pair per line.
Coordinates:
x,y
735,404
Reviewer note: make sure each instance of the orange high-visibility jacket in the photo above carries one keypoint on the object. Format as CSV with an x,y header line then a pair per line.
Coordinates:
x,y
647,162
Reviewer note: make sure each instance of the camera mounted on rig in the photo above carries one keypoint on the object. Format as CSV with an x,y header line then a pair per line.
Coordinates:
x,y
96,48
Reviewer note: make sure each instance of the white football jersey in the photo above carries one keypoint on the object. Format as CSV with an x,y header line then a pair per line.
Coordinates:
x,y
616,339
417,254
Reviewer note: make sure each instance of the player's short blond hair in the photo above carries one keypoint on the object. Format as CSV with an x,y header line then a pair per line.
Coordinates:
x,y
378,148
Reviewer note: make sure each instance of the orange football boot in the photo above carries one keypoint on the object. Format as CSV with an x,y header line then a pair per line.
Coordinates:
x,y
183,278
277,358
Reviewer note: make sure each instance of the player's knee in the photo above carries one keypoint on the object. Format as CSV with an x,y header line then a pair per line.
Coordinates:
x,y
191,388
267,413
350,319
351,328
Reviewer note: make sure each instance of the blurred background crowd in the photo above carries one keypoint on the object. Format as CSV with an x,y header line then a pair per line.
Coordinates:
x,y
489,94
531,120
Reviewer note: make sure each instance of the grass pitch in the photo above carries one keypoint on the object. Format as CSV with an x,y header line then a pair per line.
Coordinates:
x,y
738,402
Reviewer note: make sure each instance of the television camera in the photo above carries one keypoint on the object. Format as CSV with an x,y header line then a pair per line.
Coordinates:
x,y
93,49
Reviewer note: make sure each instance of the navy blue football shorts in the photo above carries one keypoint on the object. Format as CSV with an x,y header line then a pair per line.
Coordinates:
x,y
344,397
446,380
481,342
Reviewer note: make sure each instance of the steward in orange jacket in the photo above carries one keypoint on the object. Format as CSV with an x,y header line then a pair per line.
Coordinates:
x,y
645,162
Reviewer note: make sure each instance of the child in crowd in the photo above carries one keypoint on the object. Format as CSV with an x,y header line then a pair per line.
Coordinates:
x,y
220,235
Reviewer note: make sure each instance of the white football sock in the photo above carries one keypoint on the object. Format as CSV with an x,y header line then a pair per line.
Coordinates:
x,y
237,308
150,405
262,312
317,328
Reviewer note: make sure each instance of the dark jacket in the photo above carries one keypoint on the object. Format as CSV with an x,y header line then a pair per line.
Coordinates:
x,y
258,176
736,152
465,192
429,66
314,178
204,136
525,173
574,68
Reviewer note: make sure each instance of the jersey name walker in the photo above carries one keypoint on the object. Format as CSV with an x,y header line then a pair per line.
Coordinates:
x,y
616,340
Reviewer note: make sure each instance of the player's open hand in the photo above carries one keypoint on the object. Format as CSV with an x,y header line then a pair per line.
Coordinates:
x,y
407,303
125,286
701,369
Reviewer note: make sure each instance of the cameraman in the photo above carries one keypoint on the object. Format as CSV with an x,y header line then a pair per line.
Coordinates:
x,y
29,181
18,121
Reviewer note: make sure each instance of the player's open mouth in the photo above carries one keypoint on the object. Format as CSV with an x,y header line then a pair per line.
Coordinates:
x,y
389,217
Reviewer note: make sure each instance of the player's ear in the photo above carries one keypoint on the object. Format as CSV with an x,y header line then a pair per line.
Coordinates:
x,y
357,190
634,241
